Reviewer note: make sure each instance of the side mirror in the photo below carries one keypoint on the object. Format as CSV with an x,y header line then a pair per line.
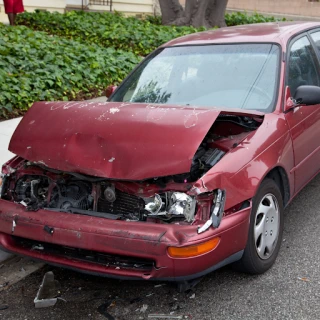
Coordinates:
x,y
308,95
110,90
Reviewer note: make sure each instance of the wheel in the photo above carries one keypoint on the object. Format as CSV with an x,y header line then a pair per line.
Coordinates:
x,y
265,230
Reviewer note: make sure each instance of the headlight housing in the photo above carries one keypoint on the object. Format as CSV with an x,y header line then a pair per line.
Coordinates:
x,y
171,204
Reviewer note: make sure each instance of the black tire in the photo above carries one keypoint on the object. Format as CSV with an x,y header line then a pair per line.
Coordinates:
x,y
251,262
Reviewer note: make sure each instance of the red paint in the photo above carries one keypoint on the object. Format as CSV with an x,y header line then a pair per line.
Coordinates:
x,y
304,123
241,171
112,140
147,141
121,237
272,32
110,90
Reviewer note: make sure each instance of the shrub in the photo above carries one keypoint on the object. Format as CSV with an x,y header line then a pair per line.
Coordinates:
x,y
35,66
129,34
106,29
81,62
239,18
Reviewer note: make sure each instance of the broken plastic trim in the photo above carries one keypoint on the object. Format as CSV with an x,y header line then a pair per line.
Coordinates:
x,y
1,183
47,293
3,178
216,212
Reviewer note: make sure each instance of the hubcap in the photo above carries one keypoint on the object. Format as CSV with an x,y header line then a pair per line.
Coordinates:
x,y
267,225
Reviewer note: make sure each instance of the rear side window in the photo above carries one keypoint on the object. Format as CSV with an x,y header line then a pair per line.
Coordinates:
x,y
303,67
316,38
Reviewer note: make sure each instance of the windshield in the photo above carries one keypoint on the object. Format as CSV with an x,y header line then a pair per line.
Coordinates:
x,y
229,76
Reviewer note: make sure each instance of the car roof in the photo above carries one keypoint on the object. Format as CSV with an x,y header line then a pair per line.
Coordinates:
x,y
277,32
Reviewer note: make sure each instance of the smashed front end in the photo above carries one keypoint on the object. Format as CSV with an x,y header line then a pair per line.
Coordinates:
x,y
129,229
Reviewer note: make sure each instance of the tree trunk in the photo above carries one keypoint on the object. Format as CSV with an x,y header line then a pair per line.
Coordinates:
x,y
170,10
216,13
197,13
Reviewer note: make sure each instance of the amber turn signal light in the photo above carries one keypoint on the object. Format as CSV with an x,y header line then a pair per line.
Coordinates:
x,y
195,250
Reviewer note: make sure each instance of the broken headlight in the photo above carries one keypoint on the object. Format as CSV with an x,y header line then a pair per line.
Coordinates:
x,y
171,204
216,211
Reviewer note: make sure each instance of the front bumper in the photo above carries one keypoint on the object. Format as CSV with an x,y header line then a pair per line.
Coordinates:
x,y
120,241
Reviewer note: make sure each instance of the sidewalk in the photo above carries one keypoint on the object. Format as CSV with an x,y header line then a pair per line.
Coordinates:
x,y
6,130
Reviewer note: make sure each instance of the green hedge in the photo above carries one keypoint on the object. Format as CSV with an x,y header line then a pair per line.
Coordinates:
x,y
233,19
36,66
105,29
129,34
74,58
238,18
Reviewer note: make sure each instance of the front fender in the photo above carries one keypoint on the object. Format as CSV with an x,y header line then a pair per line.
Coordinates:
x,y
242,170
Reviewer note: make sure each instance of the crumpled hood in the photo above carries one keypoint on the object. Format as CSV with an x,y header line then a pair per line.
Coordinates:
x,y
112,140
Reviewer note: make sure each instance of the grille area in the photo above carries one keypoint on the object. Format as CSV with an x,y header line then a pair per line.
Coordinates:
x,y
124,204
90,256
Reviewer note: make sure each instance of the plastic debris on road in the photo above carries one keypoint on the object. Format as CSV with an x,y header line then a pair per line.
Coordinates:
x,y
48,292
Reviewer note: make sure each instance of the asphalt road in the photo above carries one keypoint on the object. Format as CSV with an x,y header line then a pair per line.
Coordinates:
x,y
290,290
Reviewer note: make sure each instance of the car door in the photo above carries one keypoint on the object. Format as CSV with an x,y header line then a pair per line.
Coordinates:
x,y
304,121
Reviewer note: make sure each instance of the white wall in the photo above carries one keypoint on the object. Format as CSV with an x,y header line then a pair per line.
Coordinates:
x,y
31,5
126,6
129,6
75,2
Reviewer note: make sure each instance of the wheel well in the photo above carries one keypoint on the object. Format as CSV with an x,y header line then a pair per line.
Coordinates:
x,y
279,176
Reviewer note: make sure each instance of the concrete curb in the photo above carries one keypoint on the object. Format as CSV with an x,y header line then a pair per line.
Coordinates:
x,y
6,130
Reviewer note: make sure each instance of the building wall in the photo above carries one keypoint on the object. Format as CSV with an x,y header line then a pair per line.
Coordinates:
x,y
298,8
292,9
129,6
301,8
31,5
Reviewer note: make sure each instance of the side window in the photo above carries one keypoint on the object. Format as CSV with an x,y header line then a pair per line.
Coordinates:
x,y
316,38
303,66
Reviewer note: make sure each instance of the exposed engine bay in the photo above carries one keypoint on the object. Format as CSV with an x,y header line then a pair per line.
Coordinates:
x,y
159,200
100,199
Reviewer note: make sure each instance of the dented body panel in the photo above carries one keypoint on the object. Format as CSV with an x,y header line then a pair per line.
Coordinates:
x,y
242,169
112,140
119,238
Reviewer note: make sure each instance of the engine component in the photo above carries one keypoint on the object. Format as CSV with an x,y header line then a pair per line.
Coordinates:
x,y
212,156
110,193
32,190
100,199
128,205
202,162
75,194
171,205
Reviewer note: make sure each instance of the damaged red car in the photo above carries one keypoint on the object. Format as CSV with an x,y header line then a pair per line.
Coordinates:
x,y
186,168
